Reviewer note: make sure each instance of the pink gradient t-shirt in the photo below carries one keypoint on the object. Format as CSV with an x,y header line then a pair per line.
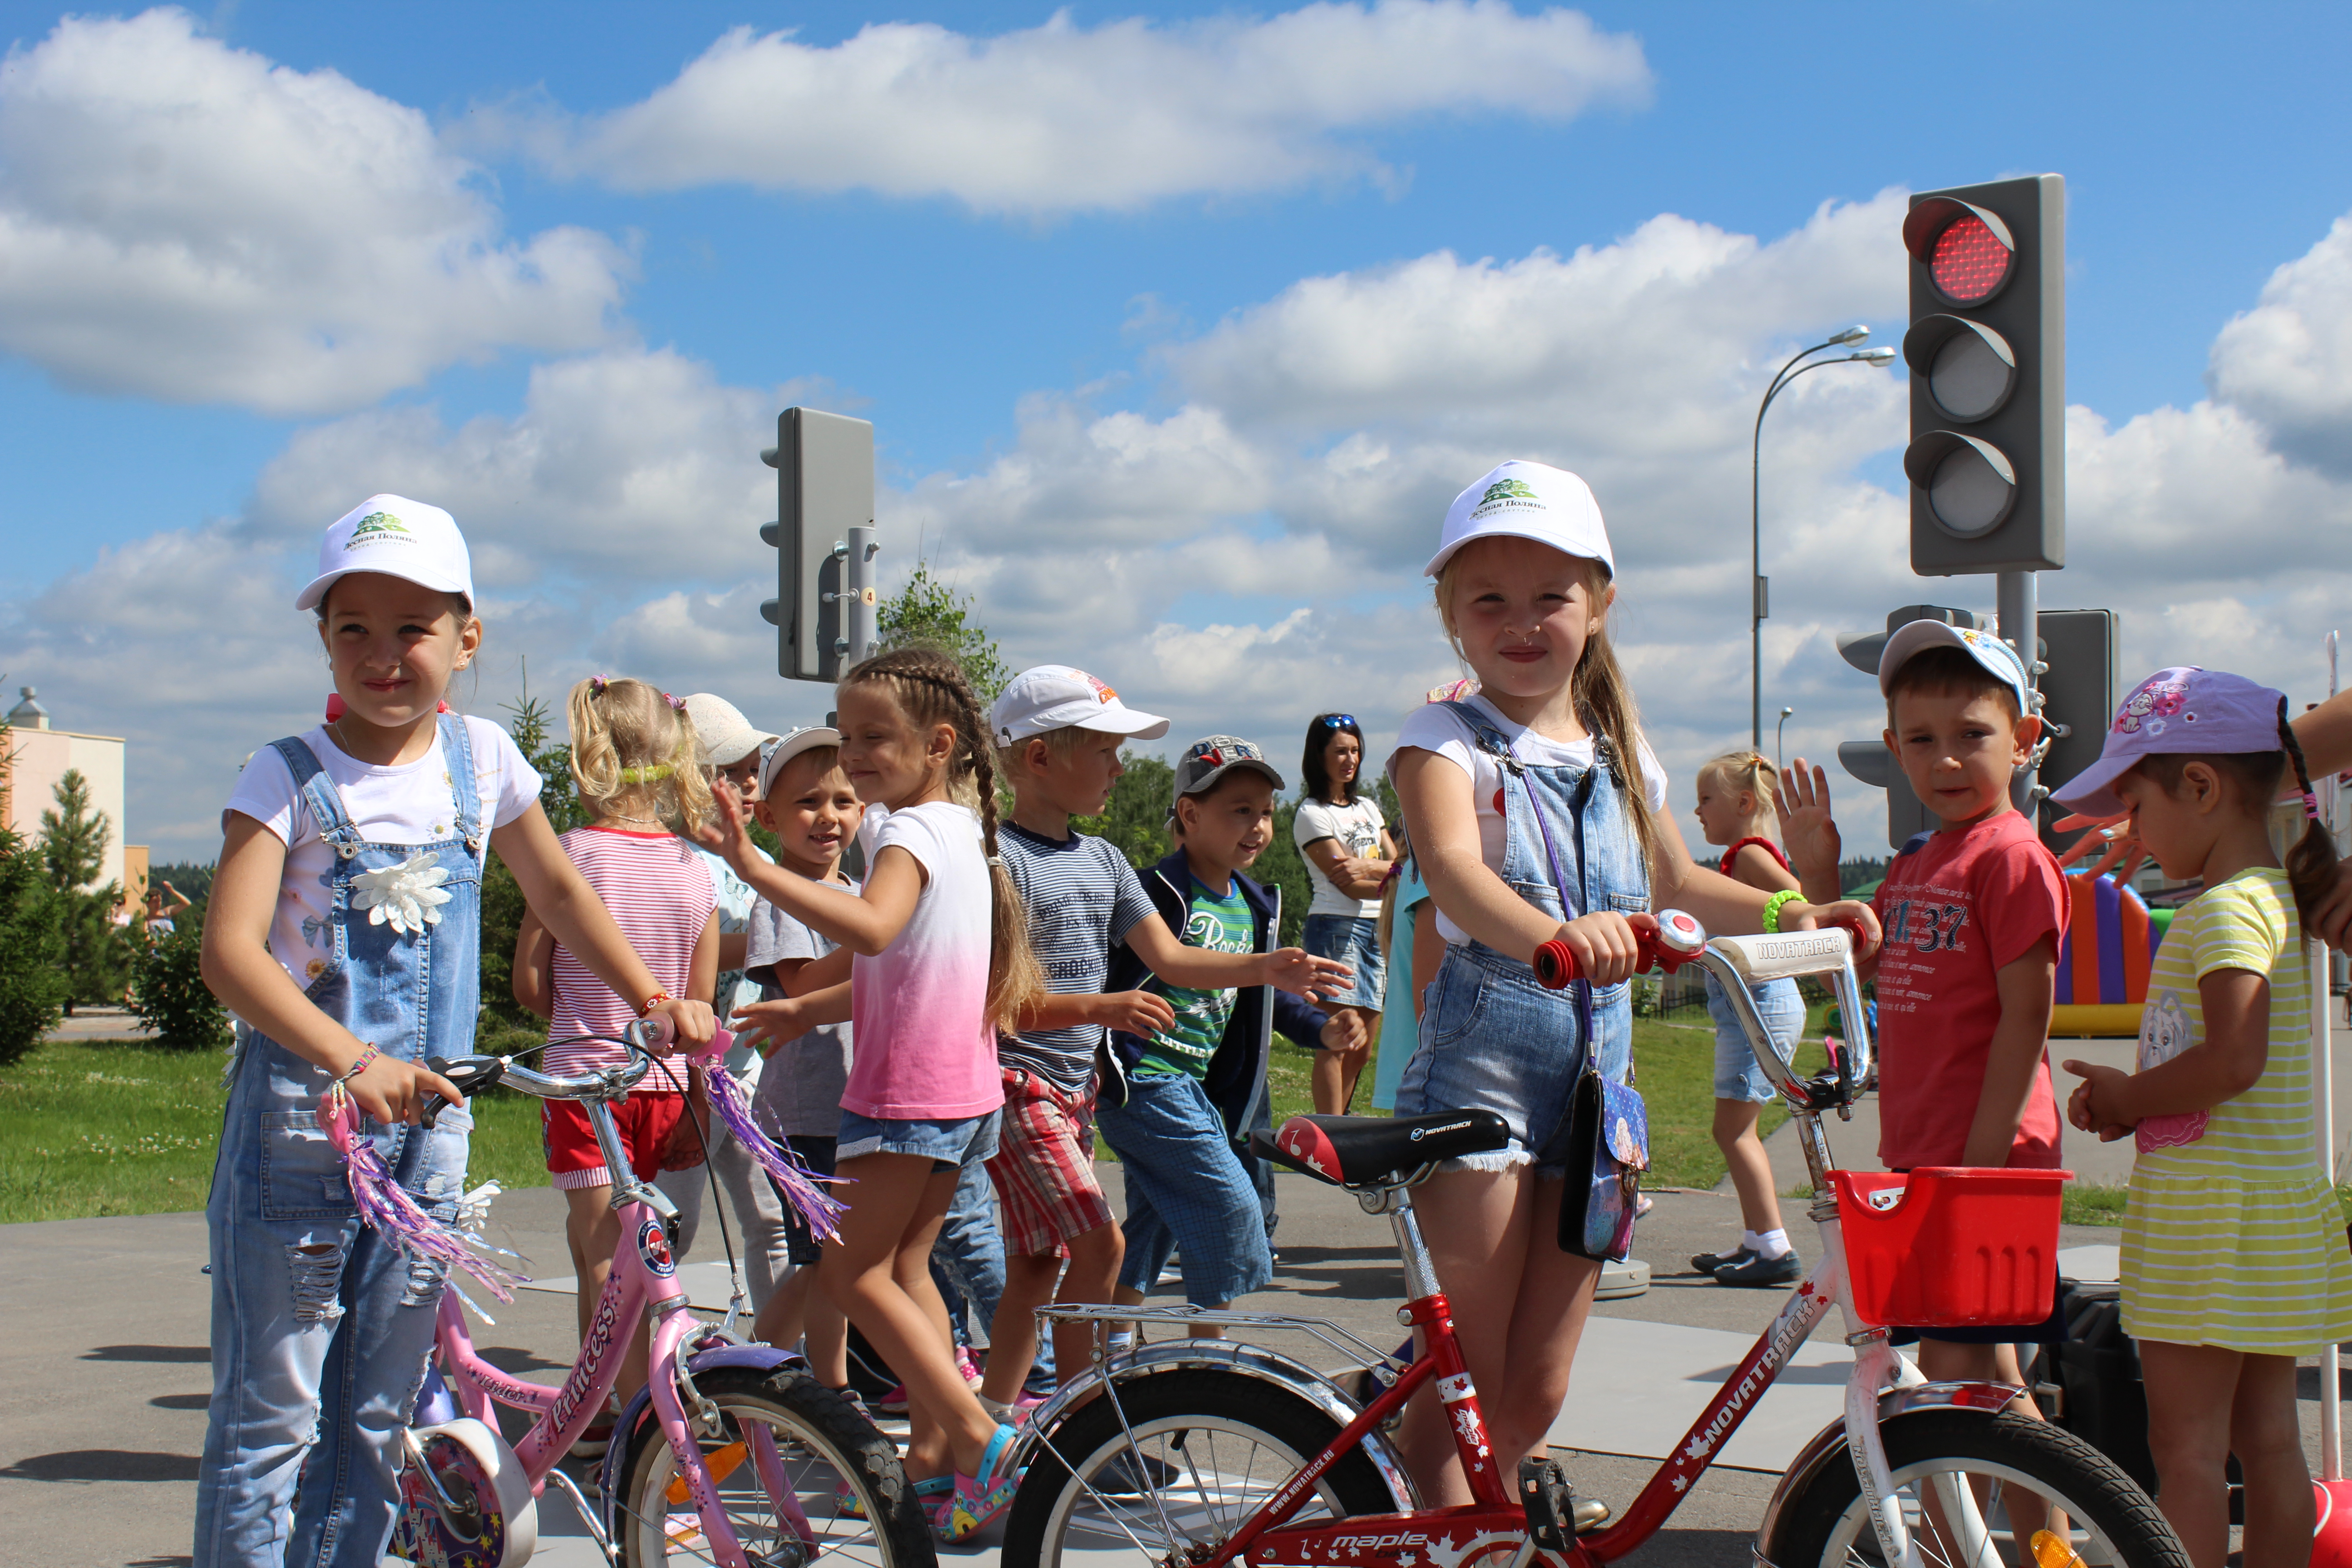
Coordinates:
x,y
920,1007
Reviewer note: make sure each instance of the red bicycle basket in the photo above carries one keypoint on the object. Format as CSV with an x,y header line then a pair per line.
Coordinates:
x,y
1950,1247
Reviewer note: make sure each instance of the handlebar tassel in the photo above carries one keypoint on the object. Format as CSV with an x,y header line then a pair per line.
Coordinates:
x,y
799,1186
386,1205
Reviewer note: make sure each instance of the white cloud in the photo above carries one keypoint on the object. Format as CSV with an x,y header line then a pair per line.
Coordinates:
x,y
2288,361
1244,551
186,221
1062,116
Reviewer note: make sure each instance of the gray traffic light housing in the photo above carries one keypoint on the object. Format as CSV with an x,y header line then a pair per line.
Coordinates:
x,y
1987,349
2078,690
824,488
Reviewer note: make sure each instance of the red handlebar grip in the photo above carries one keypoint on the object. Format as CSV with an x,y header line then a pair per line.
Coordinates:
x,y
1555,966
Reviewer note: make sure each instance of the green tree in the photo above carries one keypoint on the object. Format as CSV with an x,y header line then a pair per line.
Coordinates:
x,y
168,990
73,847
33,981
928,612
502,900
1134,818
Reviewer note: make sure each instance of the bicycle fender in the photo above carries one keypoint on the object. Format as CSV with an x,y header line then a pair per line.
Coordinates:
x,y
1249,1360
759,1358
1828,1445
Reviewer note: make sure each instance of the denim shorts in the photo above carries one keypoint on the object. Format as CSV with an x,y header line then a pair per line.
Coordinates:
x,y
1355,942
1187,1190
1492,1038
966,1141
1782,1009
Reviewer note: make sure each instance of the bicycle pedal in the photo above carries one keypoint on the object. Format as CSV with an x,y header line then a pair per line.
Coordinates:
x,y
1549,1502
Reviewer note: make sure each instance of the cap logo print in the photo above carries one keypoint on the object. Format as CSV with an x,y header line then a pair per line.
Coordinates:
x,y
1504,491
1102,692
374,524
2151,706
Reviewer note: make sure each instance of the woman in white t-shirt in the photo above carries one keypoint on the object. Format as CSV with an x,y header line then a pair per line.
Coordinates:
x,y
1347,852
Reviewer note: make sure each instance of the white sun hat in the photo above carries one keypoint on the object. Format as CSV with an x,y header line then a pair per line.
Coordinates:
x,y
1520,500
721,733
1057,697
398,537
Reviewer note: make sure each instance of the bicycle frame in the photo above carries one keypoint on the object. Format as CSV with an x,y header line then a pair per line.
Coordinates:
x,y
643,1282
1881,1383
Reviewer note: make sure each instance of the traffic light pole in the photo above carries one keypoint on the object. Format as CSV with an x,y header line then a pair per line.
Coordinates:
x,y
859,577
2018,600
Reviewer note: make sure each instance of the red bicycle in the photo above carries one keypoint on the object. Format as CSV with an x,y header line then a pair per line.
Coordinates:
x,y
1258,1458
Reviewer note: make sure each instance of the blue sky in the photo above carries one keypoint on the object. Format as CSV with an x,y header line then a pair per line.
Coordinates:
x,y
1006,347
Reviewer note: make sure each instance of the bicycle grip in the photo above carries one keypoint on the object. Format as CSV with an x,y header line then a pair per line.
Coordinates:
x,y
1557,969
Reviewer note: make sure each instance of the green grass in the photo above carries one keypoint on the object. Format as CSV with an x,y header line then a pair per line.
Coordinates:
x,y
91,1128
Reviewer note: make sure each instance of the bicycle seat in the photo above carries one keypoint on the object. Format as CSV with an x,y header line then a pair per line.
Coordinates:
x,y
1379,1151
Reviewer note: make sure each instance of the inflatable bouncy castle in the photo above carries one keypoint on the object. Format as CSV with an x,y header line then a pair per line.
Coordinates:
x,y
2104,958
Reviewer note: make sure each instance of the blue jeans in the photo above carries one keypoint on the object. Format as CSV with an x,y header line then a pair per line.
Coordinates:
x,y
321,1326
1186,1188
968,1260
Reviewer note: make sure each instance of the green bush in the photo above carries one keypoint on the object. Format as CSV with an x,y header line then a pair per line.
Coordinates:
x,y
32,979
168,990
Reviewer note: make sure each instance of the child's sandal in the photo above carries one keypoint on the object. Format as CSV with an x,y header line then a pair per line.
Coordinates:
x,y
978,1499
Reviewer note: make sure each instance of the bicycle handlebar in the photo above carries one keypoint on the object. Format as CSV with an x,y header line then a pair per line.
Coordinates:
x,y
480,1072
1678,940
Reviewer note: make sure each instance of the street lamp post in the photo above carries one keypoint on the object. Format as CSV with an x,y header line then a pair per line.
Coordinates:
x,y
1777,728
1759,604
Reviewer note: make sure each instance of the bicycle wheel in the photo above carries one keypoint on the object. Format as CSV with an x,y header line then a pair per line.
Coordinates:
x,y
819,1443
1210,1447
2012,1467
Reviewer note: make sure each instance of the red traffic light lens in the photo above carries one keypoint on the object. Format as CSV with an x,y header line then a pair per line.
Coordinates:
x,y
1970,262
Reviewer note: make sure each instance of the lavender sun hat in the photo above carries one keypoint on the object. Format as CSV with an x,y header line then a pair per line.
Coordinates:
x,y
2181,709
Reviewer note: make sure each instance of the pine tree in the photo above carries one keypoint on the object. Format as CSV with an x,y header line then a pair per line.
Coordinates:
x,y
73,847
32,948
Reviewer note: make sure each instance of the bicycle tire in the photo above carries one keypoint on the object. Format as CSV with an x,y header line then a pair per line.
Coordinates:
x,y
1827,1523
1163,1411
823,1440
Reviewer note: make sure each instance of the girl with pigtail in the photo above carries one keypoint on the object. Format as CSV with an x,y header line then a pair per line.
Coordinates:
x,y
2234,1262
936,956
635,761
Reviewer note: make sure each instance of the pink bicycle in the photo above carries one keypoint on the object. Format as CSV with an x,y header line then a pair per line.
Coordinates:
x,y
732,1454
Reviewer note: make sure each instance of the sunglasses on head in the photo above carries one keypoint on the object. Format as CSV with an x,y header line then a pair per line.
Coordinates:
x,y
1337,721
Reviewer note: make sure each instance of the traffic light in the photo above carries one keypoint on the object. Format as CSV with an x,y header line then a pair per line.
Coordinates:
x,y
1870,761
825,488
1987,349
2078,690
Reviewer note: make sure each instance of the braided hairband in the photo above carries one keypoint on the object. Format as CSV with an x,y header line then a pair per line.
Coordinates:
x,y
678,704
649,772
596,685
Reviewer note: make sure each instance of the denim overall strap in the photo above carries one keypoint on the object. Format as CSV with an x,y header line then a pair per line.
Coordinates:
x,y
1570,889
458,755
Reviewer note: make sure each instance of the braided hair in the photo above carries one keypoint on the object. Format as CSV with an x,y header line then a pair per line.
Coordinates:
x,y
931,689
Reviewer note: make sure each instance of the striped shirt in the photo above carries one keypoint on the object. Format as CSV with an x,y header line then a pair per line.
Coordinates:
x,y
661,895
1081,896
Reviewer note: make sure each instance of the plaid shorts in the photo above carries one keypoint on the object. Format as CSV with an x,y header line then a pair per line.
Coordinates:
x,y
1045,1167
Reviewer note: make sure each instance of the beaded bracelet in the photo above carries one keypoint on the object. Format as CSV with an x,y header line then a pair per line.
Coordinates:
x,y
653,1001
360,1065
1772,909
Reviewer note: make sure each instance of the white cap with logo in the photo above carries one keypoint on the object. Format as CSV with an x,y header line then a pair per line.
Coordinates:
x,y
1519,499
721,733
398,537
1057,697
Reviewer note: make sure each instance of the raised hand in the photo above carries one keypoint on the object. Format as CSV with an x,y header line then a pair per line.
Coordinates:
x,y
729,835
1807,831
1296,971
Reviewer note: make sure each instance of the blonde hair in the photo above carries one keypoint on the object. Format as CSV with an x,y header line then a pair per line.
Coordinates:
x,y
629,739
930,688
1750,773
1604,701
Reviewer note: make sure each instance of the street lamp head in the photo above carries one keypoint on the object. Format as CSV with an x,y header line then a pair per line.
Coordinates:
x,y
1785,712
1872,356
1853,334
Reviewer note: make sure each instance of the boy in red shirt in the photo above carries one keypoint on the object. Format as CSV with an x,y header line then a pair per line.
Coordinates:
x,y
1973,912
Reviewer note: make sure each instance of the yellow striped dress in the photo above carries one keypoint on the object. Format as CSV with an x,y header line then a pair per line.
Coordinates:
x,y
2231,1237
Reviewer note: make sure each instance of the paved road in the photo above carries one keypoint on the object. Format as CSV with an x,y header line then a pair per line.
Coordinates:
x,y
103,1379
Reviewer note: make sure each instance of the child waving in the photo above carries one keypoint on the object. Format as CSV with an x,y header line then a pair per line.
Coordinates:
x,y
1535,811
2234,1258
345,928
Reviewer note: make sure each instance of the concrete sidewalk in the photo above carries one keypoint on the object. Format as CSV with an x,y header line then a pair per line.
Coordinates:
x,y
100,1024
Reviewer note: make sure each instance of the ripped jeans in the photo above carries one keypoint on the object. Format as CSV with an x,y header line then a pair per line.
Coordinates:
x,y
321,1326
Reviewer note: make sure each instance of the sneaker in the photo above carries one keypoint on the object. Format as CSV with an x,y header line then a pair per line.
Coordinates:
x,y
966,1365
1756,1269
894,1403
1708,1262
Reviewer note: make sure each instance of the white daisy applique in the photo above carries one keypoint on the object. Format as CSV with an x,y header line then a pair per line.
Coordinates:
x,y
407,896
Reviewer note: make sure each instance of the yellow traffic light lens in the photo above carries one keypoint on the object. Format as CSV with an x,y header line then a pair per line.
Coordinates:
x,y
1970,262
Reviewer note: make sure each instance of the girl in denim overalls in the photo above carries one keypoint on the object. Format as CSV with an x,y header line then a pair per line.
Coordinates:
x,y
356,856
1534,811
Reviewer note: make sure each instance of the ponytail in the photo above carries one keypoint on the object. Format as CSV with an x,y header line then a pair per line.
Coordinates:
x,y
931,689
2311,859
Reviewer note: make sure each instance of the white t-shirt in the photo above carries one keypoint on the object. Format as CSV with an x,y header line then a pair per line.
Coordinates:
x,y
1357,828
409,804
925,1051
1437,728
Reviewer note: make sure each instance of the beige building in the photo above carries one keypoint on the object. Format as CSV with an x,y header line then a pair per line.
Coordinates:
x,y
38,756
